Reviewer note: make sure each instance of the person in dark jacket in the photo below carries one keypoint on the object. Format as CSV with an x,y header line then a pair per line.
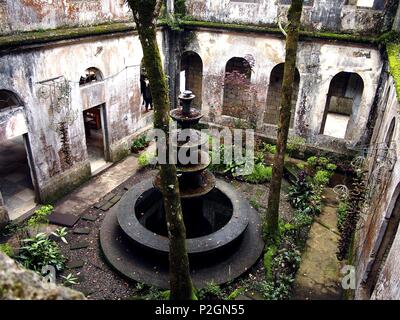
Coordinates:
x,y
146,92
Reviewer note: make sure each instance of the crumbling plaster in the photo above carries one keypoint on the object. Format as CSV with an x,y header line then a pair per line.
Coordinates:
x,y
27,15
119,59
318,63
327,15
372,226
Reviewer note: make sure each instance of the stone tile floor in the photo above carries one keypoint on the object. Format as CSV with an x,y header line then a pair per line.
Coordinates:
x,y
15,178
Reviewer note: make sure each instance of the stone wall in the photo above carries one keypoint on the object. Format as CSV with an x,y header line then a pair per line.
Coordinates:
x,y
321,15
26,15
384,183
46,79
318,63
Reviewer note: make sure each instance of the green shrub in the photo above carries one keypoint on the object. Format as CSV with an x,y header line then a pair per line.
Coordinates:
x,y
295,144
40,251
322,177
211,290
268,262
235,293
260,174
342,212
145,159
269,148
276,290
6,249
40,215
301,219
139,143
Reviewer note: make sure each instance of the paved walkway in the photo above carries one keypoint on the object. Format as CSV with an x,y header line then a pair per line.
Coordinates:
x,y
319,275
96,188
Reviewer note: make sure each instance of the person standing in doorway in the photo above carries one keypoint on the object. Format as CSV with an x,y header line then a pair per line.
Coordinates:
x,y
148,99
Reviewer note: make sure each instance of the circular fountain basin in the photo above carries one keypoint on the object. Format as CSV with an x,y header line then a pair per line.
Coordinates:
x,y
139,251
186,119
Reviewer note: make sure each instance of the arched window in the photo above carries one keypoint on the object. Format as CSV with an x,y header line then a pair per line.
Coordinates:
x,y
343,101
191,76
271,115
9,99
91,75
237,88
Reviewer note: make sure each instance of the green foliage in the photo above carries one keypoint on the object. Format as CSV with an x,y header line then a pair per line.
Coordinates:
x,y
393,50
268,262
301,219
211,290
260,174
295,145
342,212
322,177
300,193
69,280
180,7
235,293
40,251
269,148
279,290
321,163
145,159
139,143
61,233
6,249
40,216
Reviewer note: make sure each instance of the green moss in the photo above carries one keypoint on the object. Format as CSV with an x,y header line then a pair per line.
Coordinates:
x,y
343,37
393,50
43,36
268,259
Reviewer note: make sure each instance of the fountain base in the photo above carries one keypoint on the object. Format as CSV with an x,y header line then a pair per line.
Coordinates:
x,y
141,254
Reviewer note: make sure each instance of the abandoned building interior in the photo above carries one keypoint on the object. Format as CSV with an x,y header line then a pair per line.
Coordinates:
x,y
71,102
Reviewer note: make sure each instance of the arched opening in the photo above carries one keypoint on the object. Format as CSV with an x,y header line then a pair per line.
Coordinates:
x,y
191,76
343,101
391,225
91,75
16,182
9,100
271,115
237,88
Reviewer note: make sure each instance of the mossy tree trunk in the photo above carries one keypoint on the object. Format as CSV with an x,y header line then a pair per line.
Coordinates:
x,y
145,13
292,38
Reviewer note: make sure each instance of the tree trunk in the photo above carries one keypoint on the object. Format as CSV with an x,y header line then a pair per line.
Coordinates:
x,y
294,16
145,13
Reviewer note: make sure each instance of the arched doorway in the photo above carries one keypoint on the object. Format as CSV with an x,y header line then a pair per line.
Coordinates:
x,y
16,171
191,76
343,102
238,98
271,115
95,124
391,226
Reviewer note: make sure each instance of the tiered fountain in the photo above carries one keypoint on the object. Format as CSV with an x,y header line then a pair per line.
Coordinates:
x,y
223,230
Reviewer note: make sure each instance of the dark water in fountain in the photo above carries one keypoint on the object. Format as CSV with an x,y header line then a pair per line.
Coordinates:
x,y
202,216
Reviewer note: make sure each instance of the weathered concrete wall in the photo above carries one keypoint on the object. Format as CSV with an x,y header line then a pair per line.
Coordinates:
x,y
332,15
318,63
54,108
384,183
26,15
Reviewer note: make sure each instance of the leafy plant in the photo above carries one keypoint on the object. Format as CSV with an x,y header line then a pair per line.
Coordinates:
x,y
40,216
6,249
322,177
295,145
145,159
260,174
300,193
269,148
40,251
235,293
276,290
139,143
211,290
69,280
61,233
342,212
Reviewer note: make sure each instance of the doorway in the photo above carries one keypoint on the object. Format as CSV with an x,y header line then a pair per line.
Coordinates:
x,y
16,183
96,138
